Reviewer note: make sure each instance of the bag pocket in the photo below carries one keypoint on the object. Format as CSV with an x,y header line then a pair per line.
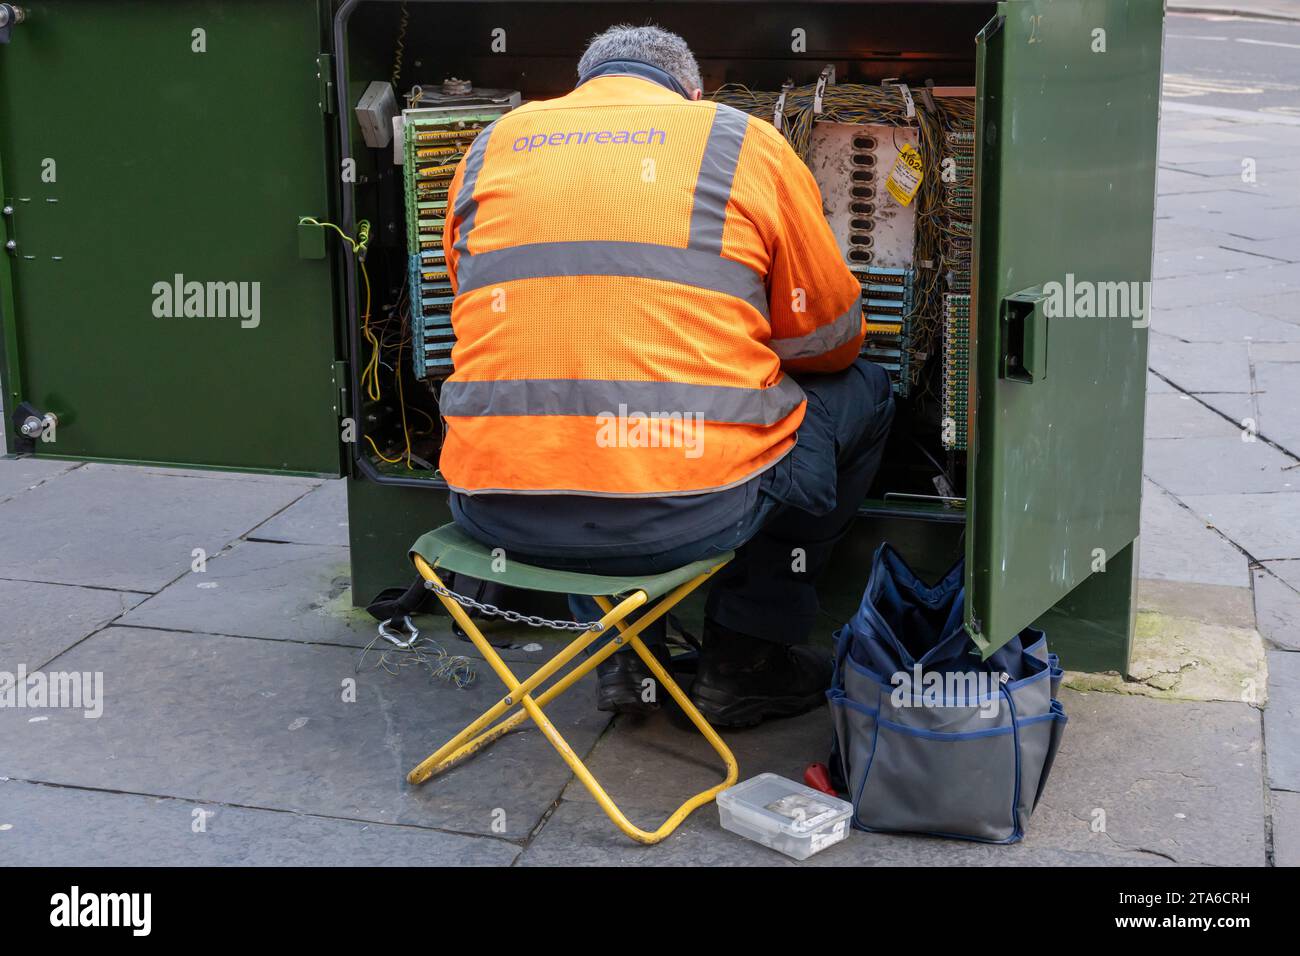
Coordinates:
x,y
1032,696
944,784
855,738
1040,739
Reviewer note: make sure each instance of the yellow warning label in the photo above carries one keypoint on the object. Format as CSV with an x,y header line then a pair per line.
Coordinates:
x,y
905,178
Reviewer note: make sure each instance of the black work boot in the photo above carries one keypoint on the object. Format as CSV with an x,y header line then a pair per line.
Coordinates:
x,y
743,680
621,682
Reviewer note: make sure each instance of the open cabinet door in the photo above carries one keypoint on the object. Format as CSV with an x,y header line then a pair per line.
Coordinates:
x,y
155,159
1068,105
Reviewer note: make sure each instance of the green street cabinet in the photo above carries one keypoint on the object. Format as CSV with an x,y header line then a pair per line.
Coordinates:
x,y
152,146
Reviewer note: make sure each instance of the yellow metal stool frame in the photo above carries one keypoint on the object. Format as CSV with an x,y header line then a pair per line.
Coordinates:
x,y
481,733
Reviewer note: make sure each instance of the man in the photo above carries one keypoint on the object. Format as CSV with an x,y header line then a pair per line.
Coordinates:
x,y
639,276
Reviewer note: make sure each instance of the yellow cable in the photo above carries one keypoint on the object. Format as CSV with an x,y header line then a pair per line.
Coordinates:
x,y
370,374
391,461
432,424
401,404
358,244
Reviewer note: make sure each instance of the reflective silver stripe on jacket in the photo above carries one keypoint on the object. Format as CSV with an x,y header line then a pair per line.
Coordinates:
x,y
466,205
824,339
637,260
717,172
595,397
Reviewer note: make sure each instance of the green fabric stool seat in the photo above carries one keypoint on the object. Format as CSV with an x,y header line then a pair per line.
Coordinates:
x,y
452,549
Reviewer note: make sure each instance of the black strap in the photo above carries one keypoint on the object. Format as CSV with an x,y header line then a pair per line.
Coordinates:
x,y
395,603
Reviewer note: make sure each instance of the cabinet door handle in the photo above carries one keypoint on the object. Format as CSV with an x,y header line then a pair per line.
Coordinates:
x,y
1024,330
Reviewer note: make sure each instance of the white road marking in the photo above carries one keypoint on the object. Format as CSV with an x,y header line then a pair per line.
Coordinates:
x,y
1180,84
1289,46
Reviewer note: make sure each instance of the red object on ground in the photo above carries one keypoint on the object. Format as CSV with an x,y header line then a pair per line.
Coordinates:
x,y
818,776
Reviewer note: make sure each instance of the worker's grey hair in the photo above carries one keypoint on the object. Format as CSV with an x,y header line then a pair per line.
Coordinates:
x,y
649,44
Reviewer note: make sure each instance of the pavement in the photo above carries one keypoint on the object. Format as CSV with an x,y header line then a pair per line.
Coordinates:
x,y
242,724
1262,9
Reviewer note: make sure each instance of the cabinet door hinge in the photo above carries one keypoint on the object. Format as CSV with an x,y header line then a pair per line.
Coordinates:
x,y
343,406
325,82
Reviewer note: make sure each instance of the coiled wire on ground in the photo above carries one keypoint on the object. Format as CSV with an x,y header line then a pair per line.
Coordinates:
x,y
424,653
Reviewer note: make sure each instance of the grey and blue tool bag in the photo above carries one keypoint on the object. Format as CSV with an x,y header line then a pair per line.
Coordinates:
x,y
930,738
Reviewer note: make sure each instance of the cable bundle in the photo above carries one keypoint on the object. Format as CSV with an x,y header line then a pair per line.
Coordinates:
x,y
941,216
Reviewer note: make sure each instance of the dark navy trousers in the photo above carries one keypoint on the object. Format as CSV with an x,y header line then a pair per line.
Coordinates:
x,y
805,504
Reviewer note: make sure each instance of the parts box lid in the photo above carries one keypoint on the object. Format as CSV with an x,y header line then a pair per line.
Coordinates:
x,y
786,816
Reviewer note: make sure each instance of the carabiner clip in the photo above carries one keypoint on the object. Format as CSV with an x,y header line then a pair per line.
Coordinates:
x,y
394,638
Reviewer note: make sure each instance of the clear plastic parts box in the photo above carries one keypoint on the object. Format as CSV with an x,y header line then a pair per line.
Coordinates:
x,y
788,817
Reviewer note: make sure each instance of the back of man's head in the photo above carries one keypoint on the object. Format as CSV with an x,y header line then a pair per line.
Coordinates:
x,y
648,44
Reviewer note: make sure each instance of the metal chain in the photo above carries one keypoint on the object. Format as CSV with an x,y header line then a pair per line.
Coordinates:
x,y
514,617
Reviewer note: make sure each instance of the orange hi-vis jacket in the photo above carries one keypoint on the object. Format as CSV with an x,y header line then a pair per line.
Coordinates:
x,y
633,271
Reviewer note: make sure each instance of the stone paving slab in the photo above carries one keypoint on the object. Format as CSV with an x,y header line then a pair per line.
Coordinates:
x,y
1226,464
1175,545
1267,526
1273,154
309,481
1271,189
1281,720
1173,778
651,765
1270,252
1222,323
579,834
1238,413
1239,407
1176,782
1221,159
263,724
60,826
1181,657
1233,287
1285,252
1210,209
1201,366
18,475
1173,234
1174,415
1279,400
1198,260
1286,828
1207,603
1157,385
40,621
294,592
120,527
286,592
1277,608
1278,305
1287,570
1177,181
319,517
1286,353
